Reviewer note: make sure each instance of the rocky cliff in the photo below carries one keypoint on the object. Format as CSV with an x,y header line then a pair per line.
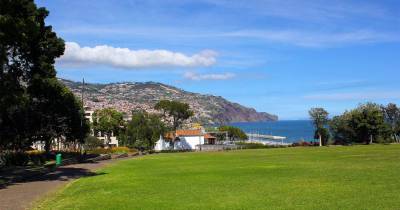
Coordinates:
x,y
128,96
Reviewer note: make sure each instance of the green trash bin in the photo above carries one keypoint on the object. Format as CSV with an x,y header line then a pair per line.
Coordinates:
x,y
58,159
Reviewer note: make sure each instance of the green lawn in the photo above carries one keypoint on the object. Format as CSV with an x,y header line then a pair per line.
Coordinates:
x,y
354,177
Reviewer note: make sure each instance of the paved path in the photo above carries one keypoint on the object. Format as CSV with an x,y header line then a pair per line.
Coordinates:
x,y
20,195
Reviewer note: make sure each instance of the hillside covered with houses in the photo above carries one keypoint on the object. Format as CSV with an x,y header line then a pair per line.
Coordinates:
x,y
128,96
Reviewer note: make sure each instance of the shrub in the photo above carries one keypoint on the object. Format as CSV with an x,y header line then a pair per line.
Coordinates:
x,y
251,145
133,151
14,159
303,143
92,142
99,151
37,157
120,150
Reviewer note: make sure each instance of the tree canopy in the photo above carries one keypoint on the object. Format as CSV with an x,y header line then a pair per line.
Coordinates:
x,y
34,106
391,115
174,112
143,130
57,113
319,117
234,133
367,123
107,121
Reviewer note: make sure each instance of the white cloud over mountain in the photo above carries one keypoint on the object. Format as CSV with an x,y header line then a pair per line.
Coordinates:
x,y
133,59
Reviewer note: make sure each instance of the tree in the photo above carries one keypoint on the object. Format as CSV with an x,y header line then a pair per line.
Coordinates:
x,y
319,116
233,133
174,112
28,49
143,130
341,129
391,115
108,121
323,134
368,122
57,114
397,130
92,142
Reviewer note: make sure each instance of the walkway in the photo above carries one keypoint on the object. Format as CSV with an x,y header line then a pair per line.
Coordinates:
x,y
20,195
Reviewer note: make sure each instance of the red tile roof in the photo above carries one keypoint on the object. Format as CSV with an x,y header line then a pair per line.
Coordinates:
x,y
189,133
208,136
172,135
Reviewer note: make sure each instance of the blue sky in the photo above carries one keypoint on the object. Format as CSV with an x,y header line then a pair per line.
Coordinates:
x,y
282,57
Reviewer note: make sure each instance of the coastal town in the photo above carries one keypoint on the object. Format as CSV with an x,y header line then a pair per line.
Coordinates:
x,y
126,97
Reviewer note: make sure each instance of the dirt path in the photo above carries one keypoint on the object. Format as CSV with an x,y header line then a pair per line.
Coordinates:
x,y
20,195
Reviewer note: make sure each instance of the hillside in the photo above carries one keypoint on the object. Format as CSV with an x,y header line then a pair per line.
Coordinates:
x,y
127,96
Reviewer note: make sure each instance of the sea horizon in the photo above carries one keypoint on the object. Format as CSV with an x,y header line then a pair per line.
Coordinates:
x,y
293,130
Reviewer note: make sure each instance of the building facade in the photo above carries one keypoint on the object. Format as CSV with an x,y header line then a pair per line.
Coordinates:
x,y
184,140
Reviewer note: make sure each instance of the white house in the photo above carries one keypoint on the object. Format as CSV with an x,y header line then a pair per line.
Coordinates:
x,y
113,139
184,140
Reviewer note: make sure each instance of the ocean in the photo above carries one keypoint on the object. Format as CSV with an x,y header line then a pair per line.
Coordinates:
x,y
293,130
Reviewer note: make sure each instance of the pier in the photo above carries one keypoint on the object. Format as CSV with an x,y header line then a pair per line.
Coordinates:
x,y
266,139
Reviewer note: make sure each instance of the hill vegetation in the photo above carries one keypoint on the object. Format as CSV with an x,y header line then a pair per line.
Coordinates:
x,y
128,96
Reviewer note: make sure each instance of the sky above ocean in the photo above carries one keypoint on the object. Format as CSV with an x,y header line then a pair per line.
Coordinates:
x,y
282,57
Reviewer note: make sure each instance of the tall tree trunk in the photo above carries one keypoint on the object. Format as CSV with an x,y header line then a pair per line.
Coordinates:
x,y
320,139
47,145
370,139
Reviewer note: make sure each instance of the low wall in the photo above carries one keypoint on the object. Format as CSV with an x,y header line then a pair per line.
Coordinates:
x,y
216,147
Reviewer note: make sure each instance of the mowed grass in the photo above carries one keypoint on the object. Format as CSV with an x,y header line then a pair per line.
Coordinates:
x,y
354,177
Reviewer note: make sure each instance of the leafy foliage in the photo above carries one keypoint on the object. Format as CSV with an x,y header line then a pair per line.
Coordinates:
x,y
365,124
234,133
143,131
57,113
108,121
319,116
34,106
368,123
391,114
175,111
322,132
92,142
114,150
341,129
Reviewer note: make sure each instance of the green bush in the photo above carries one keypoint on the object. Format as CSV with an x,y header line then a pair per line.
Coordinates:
x,y
114,150
251,145
120,150
92,142
99,151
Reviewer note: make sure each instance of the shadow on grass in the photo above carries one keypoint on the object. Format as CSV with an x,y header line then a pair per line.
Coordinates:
x,y
60,174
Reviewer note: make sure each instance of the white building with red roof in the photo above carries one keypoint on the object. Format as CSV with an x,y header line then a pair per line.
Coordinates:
x,y
184,140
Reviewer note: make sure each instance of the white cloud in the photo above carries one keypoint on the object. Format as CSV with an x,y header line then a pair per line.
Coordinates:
x,y
376,95
315,39
196,76
133,59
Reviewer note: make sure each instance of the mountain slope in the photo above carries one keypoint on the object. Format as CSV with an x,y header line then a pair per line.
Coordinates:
x,y
127,96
